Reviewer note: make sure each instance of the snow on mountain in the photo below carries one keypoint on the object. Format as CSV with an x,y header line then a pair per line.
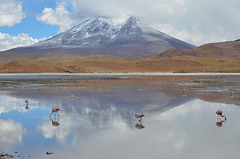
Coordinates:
x,y
116,36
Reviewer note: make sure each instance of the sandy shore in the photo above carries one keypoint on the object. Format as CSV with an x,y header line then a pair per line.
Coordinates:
x,y
112,74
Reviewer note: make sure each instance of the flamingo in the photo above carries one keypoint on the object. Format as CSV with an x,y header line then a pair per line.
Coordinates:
x,y
27,101
231,93
27,107
49,153
55,110
219,112
183,91
71,96
139,115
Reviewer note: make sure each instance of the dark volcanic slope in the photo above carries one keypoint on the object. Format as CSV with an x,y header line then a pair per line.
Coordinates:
x,y
129,37
230,49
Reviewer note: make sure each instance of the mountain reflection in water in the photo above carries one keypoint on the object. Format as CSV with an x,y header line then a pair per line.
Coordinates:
x,y
103,125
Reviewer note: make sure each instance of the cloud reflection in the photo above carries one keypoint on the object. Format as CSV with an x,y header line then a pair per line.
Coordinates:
x,y
180,132
9,103
60,132
10,134
104,126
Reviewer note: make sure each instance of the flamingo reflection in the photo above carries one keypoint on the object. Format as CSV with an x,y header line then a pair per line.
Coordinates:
x,y
139,125
220,123
54,120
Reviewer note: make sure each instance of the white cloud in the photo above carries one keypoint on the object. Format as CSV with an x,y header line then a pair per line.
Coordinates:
x,y
150,11
211,21
205,21
193,21
10,12
7,41
59,16
195,35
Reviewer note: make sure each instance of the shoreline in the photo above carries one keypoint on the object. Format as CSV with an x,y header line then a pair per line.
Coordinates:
x,y
120,74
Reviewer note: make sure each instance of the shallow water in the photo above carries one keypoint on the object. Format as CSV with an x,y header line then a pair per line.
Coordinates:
x,y
102,124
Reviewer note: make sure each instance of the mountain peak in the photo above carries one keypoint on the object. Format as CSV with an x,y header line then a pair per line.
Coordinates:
x,y
115,36
133,19
103,18
117,21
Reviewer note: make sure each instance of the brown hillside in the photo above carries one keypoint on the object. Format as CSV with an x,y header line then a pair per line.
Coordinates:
x,y
215,57
98,65
11,56
175,64
229,49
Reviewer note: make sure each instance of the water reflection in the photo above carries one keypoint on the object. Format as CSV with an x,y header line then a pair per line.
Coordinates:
x,y
220,123
53,129
54,120
104,125
139,125
11,133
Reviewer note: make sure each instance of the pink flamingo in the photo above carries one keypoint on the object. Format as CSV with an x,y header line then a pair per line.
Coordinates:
x,y
139,115
219,112
72,96
27,101
55,110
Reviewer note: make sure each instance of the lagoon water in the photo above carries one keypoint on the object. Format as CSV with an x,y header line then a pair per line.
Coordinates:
x,y
101,123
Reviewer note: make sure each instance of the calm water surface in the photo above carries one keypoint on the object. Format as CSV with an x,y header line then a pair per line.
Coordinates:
x,y
101,124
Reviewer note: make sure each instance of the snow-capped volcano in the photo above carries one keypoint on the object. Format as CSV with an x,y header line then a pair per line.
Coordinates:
x,y
104,35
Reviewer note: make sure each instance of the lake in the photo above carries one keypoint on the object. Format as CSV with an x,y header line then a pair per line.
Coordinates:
x,y
99,122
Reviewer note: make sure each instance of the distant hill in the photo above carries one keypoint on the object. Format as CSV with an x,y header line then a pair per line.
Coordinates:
x,y
103,35
229,49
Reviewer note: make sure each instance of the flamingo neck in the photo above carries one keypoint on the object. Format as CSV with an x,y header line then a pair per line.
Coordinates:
x,y
224,116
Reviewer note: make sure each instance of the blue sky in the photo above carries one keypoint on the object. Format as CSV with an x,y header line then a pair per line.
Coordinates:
x,y
25,22
29,24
